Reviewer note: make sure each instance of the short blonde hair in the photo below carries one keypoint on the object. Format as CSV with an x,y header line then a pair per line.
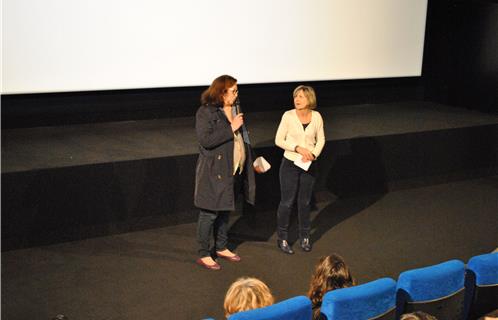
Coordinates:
x,y
309,93
247,294
417,315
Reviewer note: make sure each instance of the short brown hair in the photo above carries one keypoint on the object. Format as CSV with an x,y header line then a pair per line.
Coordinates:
x,y
309,93
214,94
247,294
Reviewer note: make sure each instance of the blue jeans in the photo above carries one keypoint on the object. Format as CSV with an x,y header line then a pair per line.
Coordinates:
x,y
295,184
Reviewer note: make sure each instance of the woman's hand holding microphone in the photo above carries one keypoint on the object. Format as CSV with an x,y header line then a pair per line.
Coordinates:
x,y
237,122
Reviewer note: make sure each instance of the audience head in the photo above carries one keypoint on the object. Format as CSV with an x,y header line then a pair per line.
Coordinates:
x,y
330,273
247,294
417,315
493,315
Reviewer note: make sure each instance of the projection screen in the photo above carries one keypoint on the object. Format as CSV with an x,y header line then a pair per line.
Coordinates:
x,y
80,45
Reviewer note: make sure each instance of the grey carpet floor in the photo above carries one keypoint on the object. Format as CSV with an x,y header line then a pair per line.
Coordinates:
x,y
151,274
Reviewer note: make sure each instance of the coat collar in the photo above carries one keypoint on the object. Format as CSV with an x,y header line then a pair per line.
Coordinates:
x,y
212,107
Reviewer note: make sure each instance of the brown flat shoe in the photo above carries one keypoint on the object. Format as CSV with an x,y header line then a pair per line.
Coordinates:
x,y
214,266
234,258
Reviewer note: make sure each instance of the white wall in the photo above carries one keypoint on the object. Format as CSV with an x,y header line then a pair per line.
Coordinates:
x,y
78,45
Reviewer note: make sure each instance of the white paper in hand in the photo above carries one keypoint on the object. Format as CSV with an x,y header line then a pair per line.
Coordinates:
x,y
301,164
262,163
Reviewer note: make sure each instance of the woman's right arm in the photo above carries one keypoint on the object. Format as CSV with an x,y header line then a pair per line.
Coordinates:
x,y
281,136
211,131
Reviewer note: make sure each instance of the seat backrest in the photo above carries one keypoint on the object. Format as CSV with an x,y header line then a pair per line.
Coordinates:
x,y
481,285
296,308
437,290
372,300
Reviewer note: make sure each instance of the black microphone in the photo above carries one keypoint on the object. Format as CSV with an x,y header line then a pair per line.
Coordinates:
x,y
242,128
237,105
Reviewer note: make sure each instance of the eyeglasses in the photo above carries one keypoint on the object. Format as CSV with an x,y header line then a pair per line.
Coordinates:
x,y
233,91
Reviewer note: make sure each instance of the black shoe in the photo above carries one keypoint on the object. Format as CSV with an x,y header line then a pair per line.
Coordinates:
x,y
306,244
284,246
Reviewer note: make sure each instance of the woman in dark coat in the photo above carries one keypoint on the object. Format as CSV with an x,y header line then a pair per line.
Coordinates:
x,y
224,167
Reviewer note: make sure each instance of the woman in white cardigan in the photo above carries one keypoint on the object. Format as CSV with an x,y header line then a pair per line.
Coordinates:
x,y
301,135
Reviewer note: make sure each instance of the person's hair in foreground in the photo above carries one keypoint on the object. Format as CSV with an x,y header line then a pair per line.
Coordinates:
x,y
331,272
417,315
247,294
493,315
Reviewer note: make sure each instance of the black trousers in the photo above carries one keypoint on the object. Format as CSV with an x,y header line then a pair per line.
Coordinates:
x,y
214,224
295,185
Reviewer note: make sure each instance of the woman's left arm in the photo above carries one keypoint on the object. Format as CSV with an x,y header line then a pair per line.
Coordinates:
x,y
320,137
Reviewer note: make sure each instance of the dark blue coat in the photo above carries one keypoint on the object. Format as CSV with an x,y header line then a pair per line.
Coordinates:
x,y
214,181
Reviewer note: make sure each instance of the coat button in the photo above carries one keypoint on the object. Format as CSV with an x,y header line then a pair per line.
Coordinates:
x,y
219,176
219,157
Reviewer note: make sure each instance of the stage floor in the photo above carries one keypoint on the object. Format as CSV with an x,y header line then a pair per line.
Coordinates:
x,y
151,274
28,149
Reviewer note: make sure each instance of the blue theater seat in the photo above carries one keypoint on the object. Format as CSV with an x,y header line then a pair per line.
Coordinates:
x,y
297,308
437,290
372,300
481,285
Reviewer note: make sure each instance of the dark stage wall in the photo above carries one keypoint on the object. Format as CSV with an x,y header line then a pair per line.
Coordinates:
x,y
72,203
461,53
30,110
